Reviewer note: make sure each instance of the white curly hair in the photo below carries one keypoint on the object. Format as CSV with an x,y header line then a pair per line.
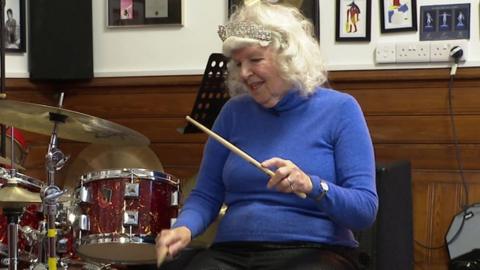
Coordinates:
x,y
298,51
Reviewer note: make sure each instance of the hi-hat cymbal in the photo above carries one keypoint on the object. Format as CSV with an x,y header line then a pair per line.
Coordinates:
x,y
16,196
6,161
75,126
97,157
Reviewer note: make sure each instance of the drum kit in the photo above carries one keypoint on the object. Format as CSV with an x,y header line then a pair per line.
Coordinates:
x,y
112,216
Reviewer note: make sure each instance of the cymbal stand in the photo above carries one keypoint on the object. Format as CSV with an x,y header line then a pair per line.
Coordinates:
x,y
13,215
55,159
13,171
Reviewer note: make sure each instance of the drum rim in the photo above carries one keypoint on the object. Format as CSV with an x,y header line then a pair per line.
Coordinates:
x,y
22,179
78,262
112,238
127,172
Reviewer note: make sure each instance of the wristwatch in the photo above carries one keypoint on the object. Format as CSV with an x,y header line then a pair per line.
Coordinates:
x,y
324,189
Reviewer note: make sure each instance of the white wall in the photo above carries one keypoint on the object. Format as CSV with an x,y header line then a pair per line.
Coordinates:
x,y
185,50
360,55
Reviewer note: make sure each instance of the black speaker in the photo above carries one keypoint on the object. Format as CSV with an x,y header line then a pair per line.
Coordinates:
x,y
388,245
463,238
60,42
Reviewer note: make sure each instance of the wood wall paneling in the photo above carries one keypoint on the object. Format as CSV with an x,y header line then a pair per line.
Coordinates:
x,y
409,118
406,110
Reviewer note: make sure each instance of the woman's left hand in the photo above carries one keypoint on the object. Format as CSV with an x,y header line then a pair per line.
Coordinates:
x,y
288,177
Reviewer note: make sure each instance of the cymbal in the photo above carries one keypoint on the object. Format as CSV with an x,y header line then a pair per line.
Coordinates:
x,y
97,157
77,126
7,161
16,196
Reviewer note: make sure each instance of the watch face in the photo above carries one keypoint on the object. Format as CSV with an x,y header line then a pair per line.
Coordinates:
x,y
324,186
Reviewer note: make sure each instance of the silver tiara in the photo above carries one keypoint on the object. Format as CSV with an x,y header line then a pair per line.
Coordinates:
x,y
244,30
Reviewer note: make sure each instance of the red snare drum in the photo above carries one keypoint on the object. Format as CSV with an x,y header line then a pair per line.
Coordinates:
x,y
121,212
31,217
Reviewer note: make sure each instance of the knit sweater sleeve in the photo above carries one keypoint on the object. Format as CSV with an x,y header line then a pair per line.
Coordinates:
x,y
352,201
205,200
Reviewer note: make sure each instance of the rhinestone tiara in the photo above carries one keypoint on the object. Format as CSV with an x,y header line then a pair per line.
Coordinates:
x,y
244,30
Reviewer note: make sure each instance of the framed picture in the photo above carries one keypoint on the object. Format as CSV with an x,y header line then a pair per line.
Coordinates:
x,y
309,8
441,22
15,26
398,15
140,13
353,20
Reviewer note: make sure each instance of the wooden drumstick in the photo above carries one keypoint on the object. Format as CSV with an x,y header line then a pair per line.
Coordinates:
x,y
237,151
161,255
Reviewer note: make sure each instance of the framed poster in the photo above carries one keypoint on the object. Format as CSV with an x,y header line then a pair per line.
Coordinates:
x,y
353,20
398,15
15,26
309,8
441,22
140,13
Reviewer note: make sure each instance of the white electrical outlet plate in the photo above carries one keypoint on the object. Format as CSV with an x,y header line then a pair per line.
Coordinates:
x,y
440,50
411,52
385,53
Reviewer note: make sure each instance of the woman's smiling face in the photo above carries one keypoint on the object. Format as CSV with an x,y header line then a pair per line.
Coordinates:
x,y
259,72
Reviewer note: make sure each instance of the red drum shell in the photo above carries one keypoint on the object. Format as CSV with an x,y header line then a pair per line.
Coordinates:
x,y
108,238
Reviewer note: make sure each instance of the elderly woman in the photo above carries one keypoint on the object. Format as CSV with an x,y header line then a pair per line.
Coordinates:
x,y
314,139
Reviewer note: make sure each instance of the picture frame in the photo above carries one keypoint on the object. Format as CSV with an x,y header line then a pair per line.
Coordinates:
x,y
443,22
15,38
396,16
353,21
309,8
144,13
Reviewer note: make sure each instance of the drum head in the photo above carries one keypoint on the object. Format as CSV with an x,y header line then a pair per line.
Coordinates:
x,y
100,157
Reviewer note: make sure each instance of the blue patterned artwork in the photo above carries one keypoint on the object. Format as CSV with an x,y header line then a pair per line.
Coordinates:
x,y
442,22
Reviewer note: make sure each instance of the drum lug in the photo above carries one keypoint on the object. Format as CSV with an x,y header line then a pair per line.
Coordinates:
x,y
132,190
174,199
130,218
84,195
172,221
84,222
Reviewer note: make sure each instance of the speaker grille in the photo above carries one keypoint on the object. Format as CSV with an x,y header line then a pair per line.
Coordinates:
x,y
388,245
60,43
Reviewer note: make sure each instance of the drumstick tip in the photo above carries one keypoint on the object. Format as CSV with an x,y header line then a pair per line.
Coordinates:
x,y
161,255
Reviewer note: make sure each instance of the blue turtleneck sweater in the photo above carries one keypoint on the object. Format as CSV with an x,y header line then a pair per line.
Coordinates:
x,y
324,134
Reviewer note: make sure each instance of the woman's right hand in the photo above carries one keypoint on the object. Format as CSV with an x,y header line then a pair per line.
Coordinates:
x,y
172,241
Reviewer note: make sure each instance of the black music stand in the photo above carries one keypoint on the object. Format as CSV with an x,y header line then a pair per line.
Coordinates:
x,y
211,95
